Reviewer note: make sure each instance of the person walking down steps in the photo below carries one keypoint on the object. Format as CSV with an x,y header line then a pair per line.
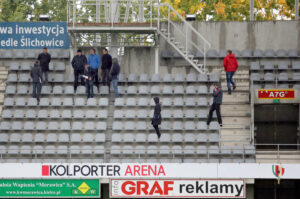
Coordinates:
x,y
230,67
216,106
156,120
37,79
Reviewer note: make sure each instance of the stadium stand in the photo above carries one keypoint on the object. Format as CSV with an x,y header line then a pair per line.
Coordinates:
x,y
66,127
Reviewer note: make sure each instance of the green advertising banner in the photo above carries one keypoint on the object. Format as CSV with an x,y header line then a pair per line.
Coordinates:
x,y
49,188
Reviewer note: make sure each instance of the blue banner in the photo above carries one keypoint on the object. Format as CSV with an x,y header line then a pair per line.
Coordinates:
x,y
33,35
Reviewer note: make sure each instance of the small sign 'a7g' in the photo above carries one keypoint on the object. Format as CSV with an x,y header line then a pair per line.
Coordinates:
x,y
276,94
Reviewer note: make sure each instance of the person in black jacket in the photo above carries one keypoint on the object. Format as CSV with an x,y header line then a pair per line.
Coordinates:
x,y
218,96
78,63
156,120
89,76
37,79
106,67
45,59
114,75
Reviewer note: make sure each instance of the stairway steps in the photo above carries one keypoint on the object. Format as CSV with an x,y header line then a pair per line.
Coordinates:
x,y
235,132
237,120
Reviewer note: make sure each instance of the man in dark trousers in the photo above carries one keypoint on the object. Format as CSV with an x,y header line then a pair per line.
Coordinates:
x,y
105,67
230,65
114,76
89,76
156,120
78,63
218,97
45,59
37,79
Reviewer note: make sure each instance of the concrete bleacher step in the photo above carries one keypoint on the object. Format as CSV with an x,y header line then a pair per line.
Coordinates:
x,y
237,120
239,85
231,132
236,110
235,98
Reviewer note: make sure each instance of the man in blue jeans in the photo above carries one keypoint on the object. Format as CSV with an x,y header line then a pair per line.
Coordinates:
x,y
94,62
89,76
114,75
230,66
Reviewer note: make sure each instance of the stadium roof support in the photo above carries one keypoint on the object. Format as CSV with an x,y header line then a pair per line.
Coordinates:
x,y
296,9
251,10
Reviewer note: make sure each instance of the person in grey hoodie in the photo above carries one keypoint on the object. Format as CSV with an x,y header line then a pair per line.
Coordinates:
x,y
156,120
218,97
37,79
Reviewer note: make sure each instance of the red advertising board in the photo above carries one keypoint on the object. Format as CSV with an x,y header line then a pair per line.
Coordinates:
x,y
276,94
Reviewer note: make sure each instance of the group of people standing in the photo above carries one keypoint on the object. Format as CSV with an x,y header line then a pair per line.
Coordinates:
x,y
84,69
88,69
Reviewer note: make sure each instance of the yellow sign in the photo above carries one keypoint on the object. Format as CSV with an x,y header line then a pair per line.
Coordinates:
x,y
84,188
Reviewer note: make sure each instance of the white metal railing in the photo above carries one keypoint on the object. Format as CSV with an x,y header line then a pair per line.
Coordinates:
x,y
113,11
243,153
282,152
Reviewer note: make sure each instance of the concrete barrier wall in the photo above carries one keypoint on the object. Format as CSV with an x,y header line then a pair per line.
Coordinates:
x,y
250,35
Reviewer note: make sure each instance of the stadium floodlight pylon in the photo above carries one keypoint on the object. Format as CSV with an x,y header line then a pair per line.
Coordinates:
x,y
122,16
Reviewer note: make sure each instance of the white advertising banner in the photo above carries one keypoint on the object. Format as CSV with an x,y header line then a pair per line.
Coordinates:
x,y
146,171
189,188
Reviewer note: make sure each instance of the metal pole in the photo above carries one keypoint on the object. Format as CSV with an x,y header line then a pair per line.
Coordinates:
x,y
204,57
296,9
156,54
74,11
186,42
158,15
141,11
156,59
169,24
251,10
68,11
97,11
151,14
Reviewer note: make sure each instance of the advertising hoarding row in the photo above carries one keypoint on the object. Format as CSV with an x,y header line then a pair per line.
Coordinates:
x,y
123,188
146,171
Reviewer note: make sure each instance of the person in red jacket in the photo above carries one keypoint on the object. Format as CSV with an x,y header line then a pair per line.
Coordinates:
x,y
230,66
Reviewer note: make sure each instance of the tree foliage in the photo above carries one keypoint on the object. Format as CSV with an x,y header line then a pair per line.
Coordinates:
x,y
214,10
29,10
234,10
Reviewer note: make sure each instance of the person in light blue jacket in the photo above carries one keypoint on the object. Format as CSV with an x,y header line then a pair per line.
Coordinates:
x,y
94,62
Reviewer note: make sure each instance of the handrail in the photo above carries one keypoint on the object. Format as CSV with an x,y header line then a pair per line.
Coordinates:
x,y
185,22
189,41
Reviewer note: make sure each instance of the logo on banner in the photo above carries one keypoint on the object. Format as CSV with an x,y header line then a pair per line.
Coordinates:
x,y
276,94
177,188
109,170
84,189
278,171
